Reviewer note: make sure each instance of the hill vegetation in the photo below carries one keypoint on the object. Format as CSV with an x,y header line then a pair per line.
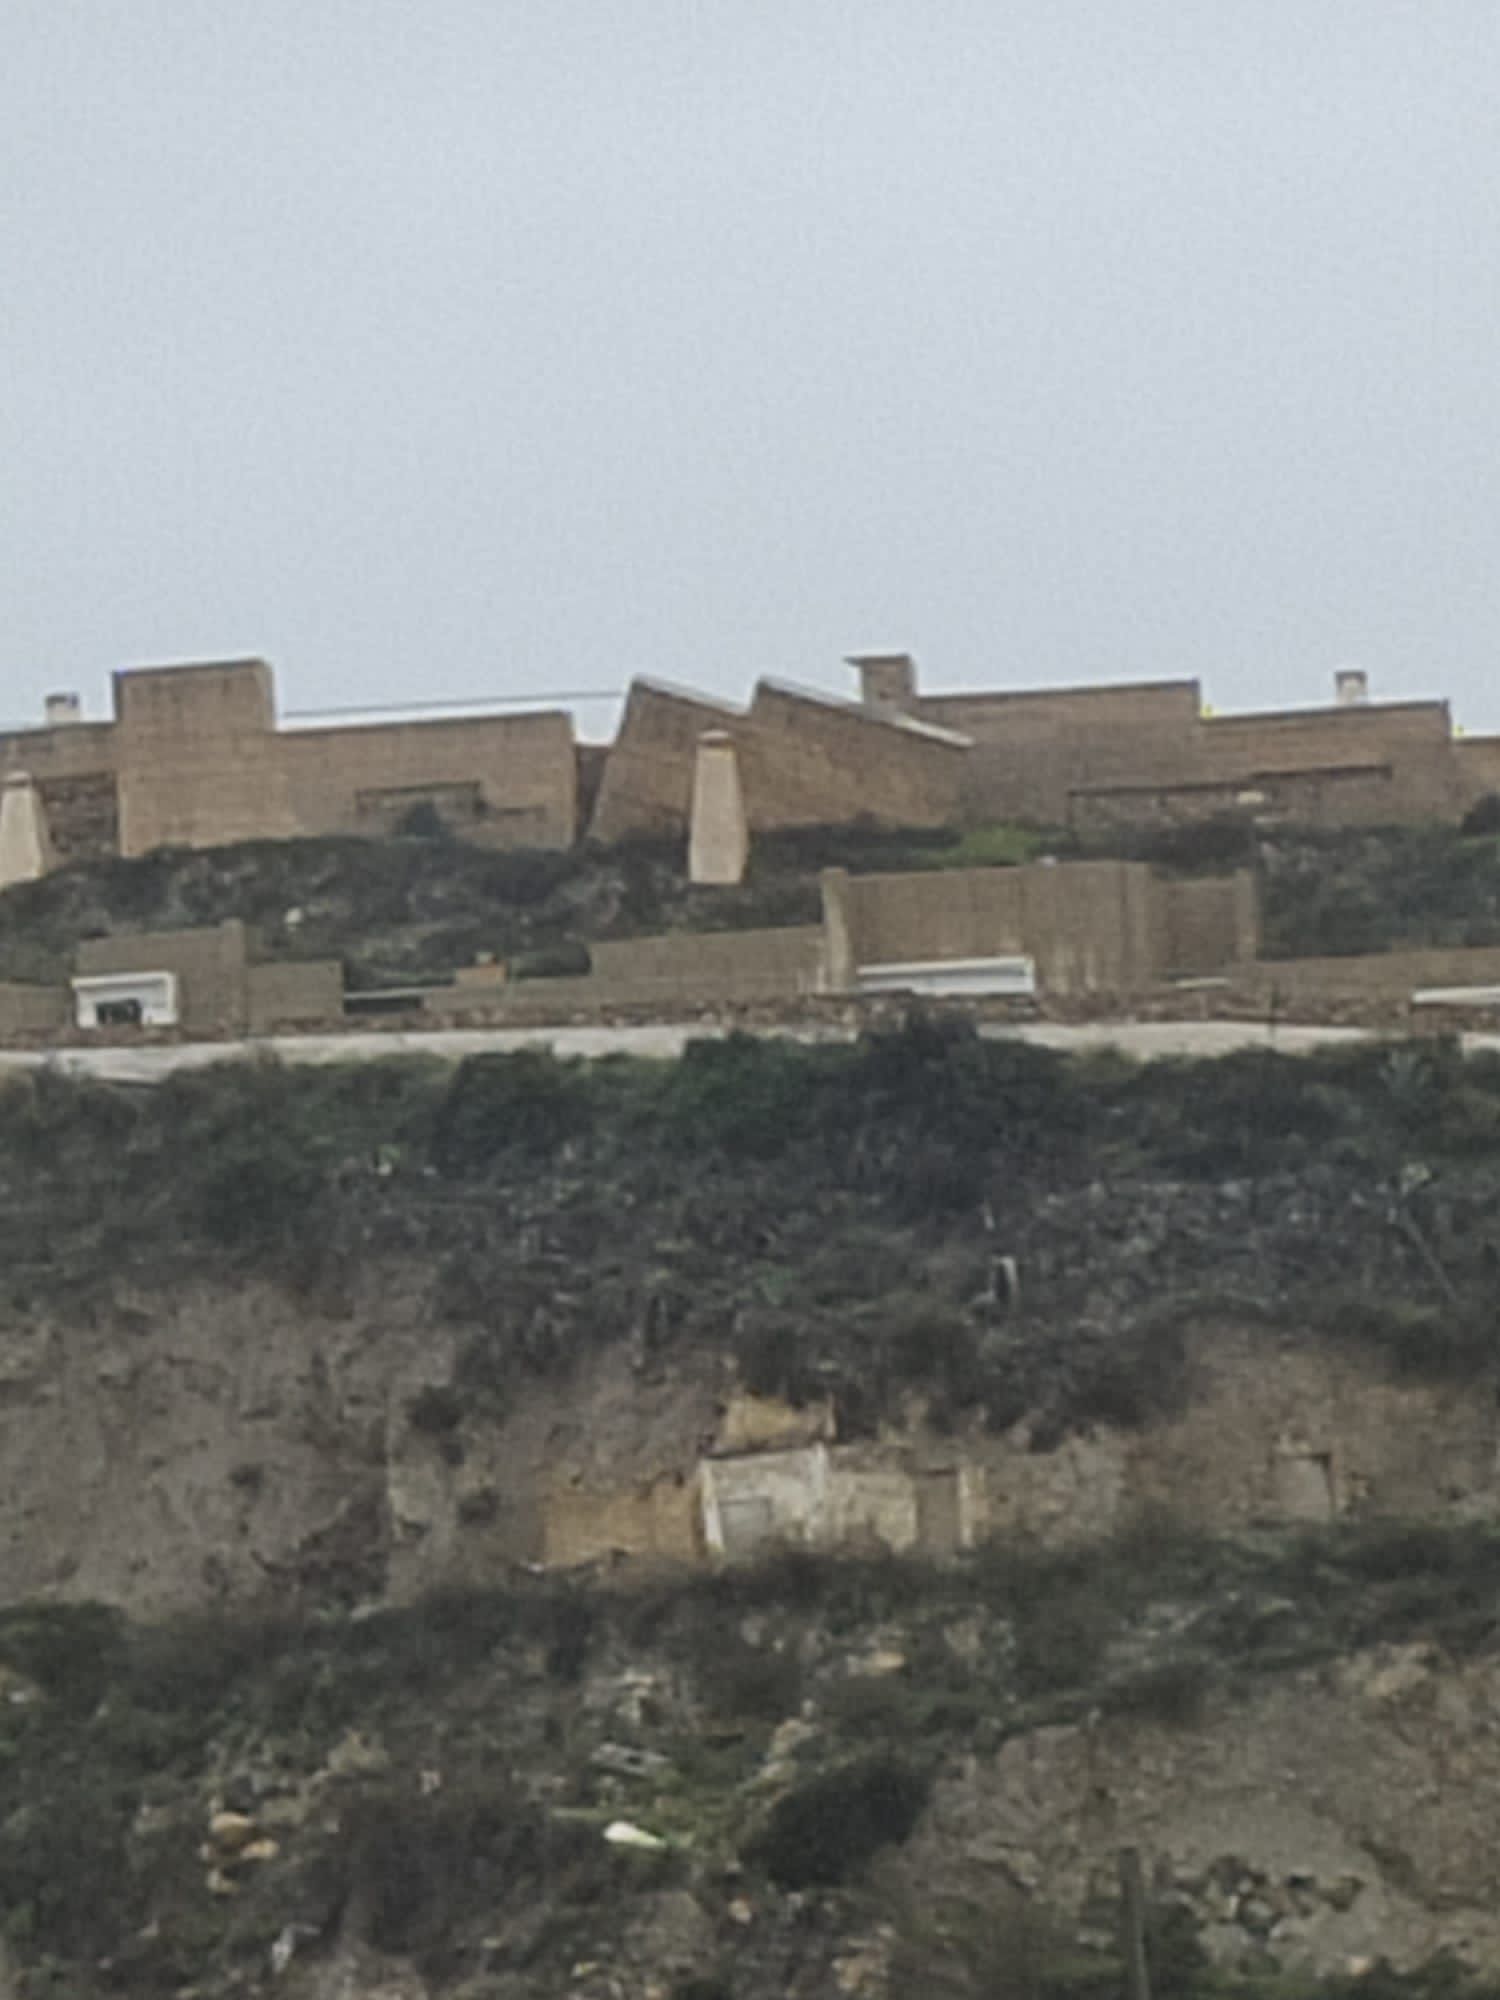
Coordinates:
x,y
232,1806
836,1218
415,908
196,1808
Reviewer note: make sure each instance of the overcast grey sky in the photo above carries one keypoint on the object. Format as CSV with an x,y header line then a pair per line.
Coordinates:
x,y
472,347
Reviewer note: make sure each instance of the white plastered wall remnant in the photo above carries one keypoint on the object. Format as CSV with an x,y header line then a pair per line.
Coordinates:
x,y
719,834
25,843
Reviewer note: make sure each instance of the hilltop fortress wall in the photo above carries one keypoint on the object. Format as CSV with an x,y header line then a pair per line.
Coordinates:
x,y
1150,754
804,760
196,756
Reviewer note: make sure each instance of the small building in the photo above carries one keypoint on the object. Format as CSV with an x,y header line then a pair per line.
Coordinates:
x,y
215,980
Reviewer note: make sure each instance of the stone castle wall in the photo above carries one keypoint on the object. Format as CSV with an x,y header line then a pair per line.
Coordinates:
x,y
75,770
195,756
1031,750
1099,758
804,760
222,988
1090,926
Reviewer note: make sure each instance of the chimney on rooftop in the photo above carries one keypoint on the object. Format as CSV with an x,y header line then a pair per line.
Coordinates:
x,y
887,681
1351,687
61,710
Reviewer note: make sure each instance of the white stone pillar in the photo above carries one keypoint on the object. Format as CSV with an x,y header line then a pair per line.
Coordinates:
x,y
719,839
25,845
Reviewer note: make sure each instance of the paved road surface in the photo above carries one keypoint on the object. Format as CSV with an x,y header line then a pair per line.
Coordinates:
x,y
1142,1039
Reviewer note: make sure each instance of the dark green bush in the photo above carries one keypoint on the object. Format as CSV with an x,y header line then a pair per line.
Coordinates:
x,y
72,1651
827,1827
526,1103
1483,817
65,1878
568,959
419,1866
745,1683
1173,1692
744,1095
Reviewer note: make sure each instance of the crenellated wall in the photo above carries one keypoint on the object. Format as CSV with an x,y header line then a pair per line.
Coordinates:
x,y
1032,749
804,760
196,756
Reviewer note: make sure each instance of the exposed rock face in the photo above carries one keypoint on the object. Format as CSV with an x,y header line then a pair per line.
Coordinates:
x,y
236,1444
1329,1819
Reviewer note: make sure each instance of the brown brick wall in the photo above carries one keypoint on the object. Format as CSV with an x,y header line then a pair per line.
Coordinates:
x,y
1385,974
678,969
74,769
737,964
522,770
83,815
657,1519
202,763
198,757
210,964
33,1010
1207,926
803,761
1106,757
195,758
1032,748
1092,926
647,783
1089,925
1345,795
1415,739
77,751
293,994
808,762
1477,759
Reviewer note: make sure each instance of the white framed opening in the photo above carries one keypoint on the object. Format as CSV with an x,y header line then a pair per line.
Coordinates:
x,y
126,1000
1012,974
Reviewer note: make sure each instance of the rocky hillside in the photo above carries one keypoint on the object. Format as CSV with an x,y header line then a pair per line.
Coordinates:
x,y
325,1397
416,908
809,1779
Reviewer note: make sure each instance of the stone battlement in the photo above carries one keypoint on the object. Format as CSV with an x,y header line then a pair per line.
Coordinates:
x,y
196,756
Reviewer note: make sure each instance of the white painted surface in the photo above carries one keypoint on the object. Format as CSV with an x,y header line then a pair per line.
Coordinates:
x,y
1013,976
1457,996
25,844
155,993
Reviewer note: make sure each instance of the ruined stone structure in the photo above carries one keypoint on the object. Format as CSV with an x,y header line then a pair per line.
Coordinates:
x,y
1111,927
719,841
803,760
196,756
1150,753
215,980
25,844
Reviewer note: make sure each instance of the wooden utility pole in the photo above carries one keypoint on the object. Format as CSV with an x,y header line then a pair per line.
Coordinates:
x,y
1133,1925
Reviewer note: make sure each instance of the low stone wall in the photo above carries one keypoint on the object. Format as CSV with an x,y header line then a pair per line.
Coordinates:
x,y
294,994
804,760
1386,974
1110,927
679,969
27,1011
